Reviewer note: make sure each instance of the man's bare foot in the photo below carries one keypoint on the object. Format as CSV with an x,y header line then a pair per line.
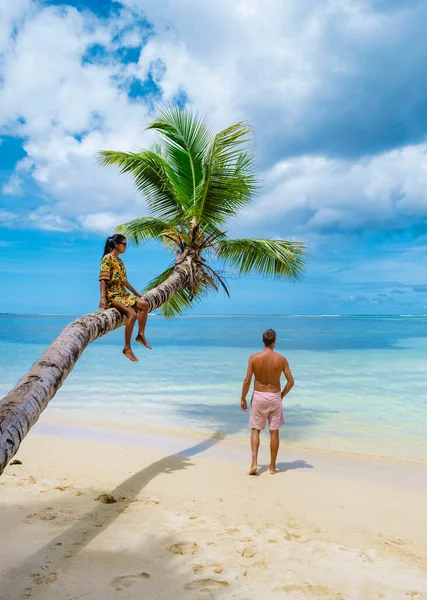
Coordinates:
x,y
141,340
273,470
253,470
129,354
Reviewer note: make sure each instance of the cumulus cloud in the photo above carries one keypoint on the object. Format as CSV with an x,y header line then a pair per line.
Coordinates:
x,y
312,193
7,217
335,91
13,187
103,222
67,108
312,77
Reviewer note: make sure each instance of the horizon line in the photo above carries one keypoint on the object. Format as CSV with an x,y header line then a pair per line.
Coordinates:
x,y
273,314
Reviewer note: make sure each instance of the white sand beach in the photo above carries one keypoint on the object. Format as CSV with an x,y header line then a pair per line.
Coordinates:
x,y
188,522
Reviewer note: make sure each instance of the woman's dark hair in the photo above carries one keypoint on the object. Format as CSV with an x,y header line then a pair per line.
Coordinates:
x,y
111,242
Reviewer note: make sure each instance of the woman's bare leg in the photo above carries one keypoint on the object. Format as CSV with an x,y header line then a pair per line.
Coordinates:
x,y
143,307
130,324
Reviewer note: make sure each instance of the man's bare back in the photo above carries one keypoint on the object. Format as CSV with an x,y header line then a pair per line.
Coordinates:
x,y
268,366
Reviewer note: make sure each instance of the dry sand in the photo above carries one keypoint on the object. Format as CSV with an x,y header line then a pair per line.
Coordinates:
x,y
188,522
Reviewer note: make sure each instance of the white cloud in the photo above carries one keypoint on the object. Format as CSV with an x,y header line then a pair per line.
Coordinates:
x,y
302,72
298,70
49,222
104,222
312,193
12,14
13,187
67,109
7,217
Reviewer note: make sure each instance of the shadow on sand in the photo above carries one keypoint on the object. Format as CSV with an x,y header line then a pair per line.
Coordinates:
x,y
92,524
287,466
230,420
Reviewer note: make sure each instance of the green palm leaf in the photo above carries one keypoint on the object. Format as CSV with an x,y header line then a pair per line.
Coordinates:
x,y
144,228
185,139
267,257
229,180
153,177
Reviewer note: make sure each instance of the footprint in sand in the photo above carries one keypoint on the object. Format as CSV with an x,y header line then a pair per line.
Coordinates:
x,y
126,581
256,569
49,514
198,569
307,591
62,488
249,552
206,585
55,546
391,542
218,569
184,548
366,558
152,501
39,578
228,532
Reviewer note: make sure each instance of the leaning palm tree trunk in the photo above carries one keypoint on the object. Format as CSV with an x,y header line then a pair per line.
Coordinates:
x,y
22,407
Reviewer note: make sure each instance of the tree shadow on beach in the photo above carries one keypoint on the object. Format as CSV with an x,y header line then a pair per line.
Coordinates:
x,y
230,420
69,543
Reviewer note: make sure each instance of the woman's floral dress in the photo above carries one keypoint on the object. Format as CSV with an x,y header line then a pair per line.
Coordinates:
x,y
113,272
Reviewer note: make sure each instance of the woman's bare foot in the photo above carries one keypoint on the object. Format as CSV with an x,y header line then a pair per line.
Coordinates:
x,y
129,354
273,470
253,470
141,340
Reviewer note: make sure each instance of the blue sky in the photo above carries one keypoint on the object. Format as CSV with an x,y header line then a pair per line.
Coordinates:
x,y
336,94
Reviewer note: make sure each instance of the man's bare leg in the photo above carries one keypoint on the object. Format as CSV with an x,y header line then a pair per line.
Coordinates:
x,y
274,449
254,447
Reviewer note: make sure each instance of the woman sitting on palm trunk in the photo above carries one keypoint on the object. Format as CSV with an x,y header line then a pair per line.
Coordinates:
x,y
113,284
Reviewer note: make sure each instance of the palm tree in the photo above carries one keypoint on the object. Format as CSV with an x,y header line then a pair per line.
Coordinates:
x,y
194,183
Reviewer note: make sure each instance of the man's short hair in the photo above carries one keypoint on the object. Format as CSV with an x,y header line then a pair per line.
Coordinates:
x,y
269,337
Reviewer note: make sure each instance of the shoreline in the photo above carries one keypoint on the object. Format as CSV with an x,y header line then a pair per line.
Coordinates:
x,y
69,421
365,469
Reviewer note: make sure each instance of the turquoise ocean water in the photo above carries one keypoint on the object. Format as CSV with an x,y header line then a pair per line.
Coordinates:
x,y
361,382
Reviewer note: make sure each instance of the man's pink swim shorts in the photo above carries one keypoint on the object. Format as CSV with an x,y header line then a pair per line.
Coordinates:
x,y
266,405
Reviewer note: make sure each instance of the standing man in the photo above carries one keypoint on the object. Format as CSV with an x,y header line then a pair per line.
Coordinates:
x,y
267,366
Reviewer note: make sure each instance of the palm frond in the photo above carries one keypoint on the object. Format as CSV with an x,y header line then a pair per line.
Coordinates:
x,y
177,303
153,177
145,228
215,279
185,139
267,257
229,180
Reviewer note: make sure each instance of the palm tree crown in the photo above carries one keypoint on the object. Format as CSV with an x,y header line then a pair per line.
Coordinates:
x,y
194,182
